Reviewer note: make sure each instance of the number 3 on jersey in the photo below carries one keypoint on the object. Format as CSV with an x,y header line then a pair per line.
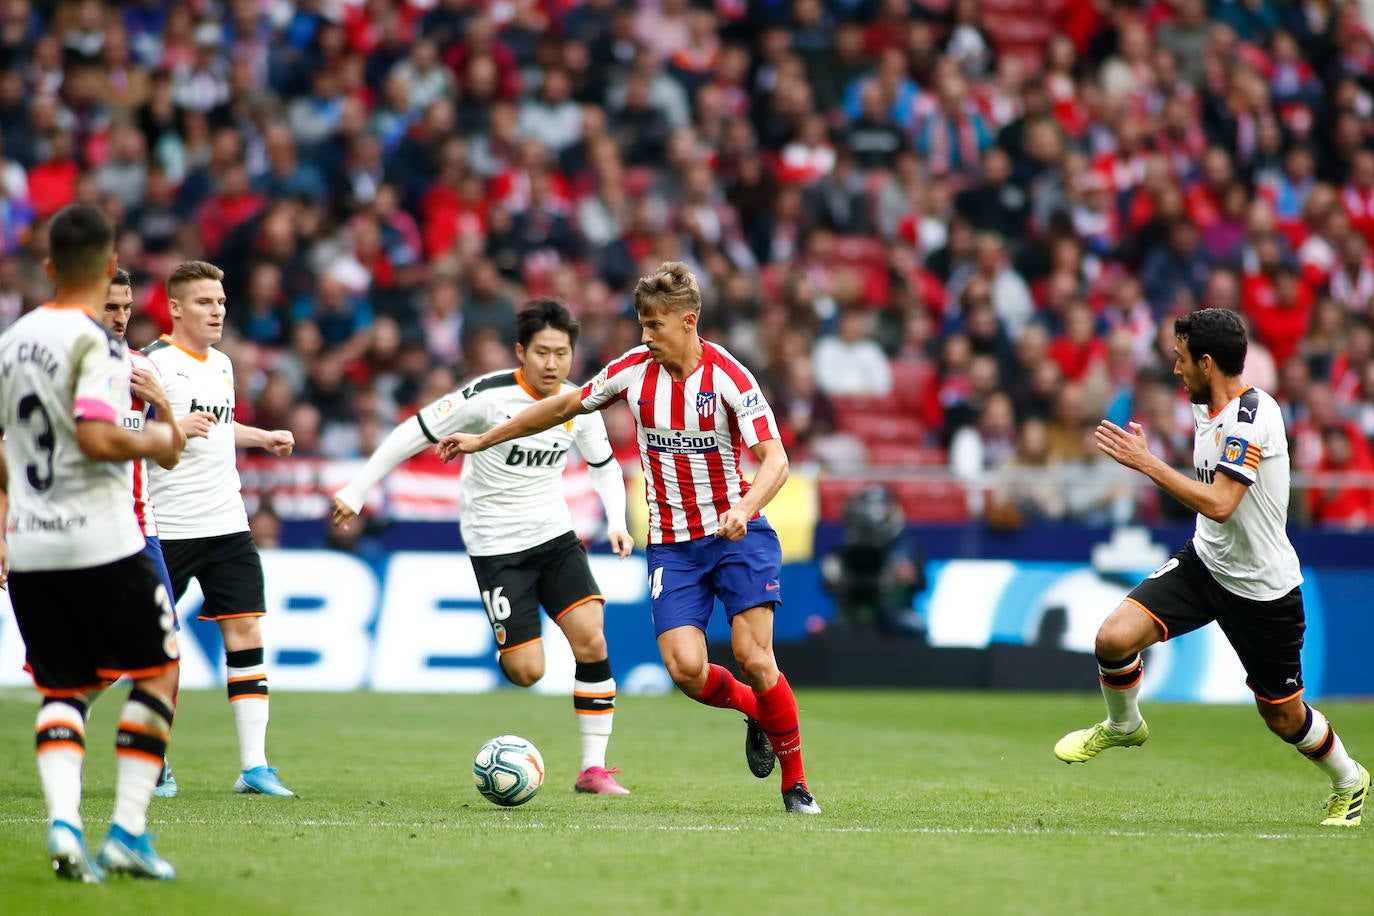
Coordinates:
x,y
497,605
43,439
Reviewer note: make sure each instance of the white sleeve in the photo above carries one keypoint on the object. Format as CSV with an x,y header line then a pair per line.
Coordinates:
x,y
404,441
609,483
455,412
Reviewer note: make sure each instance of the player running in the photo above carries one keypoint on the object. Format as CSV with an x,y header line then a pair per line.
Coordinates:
x,y
696,406
201,519
86,598
1239,569
148,401
516,524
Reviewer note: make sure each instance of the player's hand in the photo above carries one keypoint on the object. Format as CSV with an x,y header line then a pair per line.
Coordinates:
x,y
197,424
280,442
146,387
622,545
451,447
1127,447
733,524
342,516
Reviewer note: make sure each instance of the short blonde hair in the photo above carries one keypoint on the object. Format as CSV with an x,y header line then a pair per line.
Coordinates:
x,y
189,272
671,287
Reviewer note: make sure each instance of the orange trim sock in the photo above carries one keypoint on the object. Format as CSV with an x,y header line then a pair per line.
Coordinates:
x,y
248,698
1121,681
60,743
1319,743
145,725
594,704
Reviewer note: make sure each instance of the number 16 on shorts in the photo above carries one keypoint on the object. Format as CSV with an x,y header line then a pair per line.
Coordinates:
x,y
498,610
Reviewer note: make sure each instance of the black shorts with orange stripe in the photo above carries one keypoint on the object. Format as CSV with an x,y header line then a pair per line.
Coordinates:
x,y
554,574
83,628
1182,596
228,569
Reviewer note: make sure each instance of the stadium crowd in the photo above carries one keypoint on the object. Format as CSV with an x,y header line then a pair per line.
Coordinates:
x,y
941,232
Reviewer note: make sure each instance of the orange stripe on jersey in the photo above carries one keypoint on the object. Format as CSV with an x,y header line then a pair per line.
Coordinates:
x,y
1291,696
247,677
191,353
593,696
136,674
595,712
234,616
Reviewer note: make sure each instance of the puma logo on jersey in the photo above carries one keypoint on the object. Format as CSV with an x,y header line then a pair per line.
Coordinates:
x,y
534,457
223,412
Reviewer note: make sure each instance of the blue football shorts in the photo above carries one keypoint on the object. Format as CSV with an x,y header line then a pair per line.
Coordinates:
x,y
686,578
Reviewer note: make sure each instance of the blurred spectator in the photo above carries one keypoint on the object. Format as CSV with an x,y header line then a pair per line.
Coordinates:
x,y
849,363
1349,506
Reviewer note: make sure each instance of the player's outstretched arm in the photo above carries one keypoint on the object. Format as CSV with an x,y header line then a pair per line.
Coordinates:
x,y
771,475
1129,448
279,442
536,418
100,440
405,441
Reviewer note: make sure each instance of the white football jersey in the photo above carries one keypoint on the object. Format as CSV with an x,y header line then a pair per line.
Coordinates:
x,y
59,365
199,498
134,419
1250,555
512,494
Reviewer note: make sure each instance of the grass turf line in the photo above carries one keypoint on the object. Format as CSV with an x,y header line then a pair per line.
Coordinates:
x,y
933,802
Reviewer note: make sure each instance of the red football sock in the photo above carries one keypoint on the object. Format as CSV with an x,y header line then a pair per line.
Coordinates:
x,y
723,691
778,716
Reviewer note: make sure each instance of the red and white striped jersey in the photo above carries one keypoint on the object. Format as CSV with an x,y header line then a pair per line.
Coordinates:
x,y
133,419
691,434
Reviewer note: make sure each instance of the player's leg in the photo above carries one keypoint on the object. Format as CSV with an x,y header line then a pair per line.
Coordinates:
x,y
1268,637
508,584
570,593
138,641
1177,598
231,578
680,582
747,583
60,658
166,783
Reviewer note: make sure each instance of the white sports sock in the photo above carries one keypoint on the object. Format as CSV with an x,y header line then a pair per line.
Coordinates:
x,y
1121,691
1320,744
594,703
61,750
145,724
247,680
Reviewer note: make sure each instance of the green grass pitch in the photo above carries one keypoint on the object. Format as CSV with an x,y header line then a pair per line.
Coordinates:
x,y
934,803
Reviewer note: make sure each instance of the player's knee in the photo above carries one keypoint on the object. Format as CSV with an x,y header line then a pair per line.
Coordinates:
x,y
1285,719
1114,641
686,672
756,664
523,672
590,646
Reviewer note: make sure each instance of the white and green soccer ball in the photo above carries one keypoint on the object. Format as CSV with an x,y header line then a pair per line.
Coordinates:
x,y
508,770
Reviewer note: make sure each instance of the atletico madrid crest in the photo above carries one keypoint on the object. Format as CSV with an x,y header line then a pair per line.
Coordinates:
x,y
706,404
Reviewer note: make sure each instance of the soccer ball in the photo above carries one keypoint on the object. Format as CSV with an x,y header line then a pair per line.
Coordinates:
x,y
508,770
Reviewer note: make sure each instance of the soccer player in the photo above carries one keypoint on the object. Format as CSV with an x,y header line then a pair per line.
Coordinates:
x,y
1239,569
86,598
148,401
201,518
516,524
696,406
